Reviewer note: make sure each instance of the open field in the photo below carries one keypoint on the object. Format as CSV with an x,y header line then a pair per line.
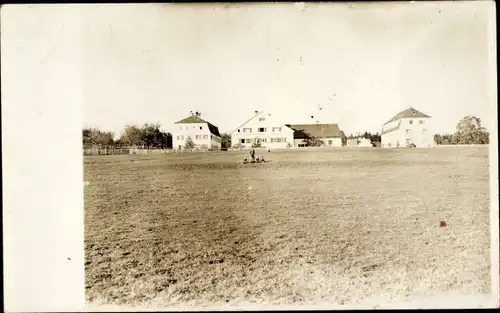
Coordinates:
x,y
334,225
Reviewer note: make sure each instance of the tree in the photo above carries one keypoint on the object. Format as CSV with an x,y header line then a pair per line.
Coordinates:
x,y
313,142
131,136
344,138
225,141
189,144
153,137
470,131
96,137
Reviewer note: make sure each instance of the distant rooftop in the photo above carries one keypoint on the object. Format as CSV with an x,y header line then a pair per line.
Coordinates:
x,y
408,113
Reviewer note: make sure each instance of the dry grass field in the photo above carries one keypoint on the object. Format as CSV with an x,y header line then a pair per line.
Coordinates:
x,y
333,225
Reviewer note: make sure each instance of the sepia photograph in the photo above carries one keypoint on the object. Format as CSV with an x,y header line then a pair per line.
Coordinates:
x,y
281,156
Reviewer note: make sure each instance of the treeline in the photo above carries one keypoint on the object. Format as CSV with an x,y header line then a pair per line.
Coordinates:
x,y
469,132
148,136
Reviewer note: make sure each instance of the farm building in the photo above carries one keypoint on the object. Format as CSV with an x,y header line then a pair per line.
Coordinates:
x,y
364,143
330,134
406,128
204,135
264,130
352,142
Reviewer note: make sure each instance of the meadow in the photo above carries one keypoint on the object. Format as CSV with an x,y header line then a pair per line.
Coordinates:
x,y
313,225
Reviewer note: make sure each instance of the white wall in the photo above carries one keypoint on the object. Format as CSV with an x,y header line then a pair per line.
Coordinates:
x,y
411,130
335,142
199,133
264,128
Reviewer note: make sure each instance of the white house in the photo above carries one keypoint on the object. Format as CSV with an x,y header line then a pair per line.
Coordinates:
x,y
204,135
262,129
406,128
330,134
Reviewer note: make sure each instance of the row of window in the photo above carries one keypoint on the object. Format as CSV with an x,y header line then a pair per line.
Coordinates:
x,y
408,131
420,121
187,127
262,140
199,137
260,129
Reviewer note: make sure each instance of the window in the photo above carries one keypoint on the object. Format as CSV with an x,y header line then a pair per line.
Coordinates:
x,y
247,130
238,130
276,129
261,130
242,140
205,136
408,141
180,147
178,137
424,130
278,140
201,127
330,142
247,140
182,137
411,121
180,127
264,139
421,121
198,137
262,119
407,131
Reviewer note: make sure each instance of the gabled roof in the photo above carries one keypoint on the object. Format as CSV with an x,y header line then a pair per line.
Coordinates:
x,y
255,115
302,131
191,119
196,119
408,113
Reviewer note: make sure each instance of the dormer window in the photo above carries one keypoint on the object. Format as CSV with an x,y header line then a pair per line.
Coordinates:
x,y
411,121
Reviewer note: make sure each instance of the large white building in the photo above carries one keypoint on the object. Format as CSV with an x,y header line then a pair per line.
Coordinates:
x,y
204,135
406,128
264,130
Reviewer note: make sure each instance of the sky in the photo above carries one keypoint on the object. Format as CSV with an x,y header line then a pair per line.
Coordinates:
x,y
361,62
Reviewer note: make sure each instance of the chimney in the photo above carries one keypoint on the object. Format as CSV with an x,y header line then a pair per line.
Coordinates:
x,y
256,112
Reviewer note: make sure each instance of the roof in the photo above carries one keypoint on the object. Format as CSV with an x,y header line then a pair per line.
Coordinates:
x,y
390,130
408,113
255,114
196,119
302,131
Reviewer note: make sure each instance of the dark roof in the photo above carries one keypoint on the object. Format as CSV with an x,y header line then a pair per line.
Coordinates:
x,y
302,131
408,113
196,119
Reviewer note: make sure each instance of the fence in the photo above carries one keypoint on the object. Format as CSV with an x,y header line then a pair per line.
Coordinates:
x,y
122,150
134,150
